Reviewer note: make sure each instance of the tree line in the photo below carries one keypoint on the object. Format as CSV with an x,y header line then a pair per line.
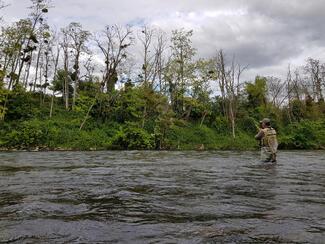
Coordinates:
x,y
99,78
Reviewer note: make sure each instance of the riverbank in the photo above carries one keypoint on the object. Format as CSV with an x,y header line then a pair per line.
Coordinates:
x,y
132,125
12,150
58,135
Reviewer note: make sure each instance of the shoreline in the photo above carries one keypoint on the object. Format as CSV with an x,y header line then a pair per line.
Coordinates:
x,y
149,150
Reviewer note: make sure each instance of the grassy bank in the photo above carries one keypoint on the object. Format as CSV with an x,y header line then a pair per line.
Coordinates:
x,y
137,118
62,132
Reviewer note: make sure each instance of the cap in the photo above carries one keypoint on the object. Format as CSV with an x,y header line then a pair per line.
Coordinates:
x,y
265,121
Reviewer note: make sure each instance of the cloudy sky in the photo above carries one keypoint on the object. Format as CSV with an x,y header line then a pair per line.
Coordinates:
x,y
267,35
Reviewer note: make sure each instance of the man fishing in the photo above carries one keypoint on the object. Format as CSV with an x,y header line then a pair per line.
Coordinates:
x,y
268,139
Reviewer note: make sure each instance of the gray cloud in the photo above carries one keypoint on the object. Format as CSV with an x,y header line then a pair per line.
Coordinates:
x,y
266,35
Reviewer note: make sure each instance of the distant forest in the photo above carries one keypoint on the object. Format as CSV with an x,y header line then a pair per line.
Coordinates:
x,y
70,89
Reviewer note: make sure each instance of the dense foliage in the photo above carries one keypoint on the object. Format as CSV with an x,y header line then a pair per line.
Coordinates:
x,y
126,124
55,95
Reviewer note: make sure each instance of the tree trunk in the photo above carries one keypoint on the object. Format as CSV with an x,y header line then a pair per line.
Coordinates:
x,y
144,116
203,118
66,80
37,67
87,115
76,82
52,104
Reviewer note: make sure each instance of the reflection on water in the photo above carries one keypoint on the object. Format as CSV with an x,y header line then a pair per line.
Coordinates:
x,y
141,197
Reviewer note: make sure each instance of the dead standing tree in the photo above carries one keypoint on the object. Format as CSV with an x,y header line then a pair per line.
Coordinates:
x,y
12,49
55,60
146,39
79,38
3,5
160,62
221,76
44,47
313,69
154,43
229,84
276,90
65,43
40,8
113,43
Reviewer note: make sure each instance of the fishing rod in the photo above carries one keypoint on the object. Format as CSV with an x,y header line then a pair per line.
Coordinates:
x,y
258,127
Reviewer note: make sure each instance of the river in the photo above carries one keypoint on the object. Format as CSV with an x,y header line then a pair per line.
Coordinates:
x,y
161,197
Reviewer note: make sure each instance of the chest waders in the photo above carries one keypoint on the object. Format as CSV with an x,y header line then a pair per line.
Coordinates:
x,y
269,145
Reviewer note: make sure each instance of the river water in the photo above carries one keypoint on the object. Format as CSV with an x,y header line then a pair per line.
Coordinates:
x,y
161,197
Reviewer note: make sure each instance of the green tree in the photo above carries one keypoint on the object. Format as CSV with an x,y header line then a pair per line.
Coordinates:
x,y
180,68
256,93
59,82
3,99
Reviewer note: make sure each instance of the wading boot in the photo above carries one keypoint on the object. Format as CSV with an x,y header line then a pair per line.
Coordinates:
x,y
273,160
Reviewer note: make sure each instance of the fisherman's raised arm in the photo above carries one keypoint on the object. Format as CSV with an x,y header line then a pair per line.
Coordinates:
x,y
259,135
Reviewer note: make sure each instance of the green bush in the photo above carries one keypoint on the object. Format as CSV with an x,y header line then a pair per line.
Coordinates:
x,y
304,135
20,106
249,125
131,138
191,137
221,125
85,140
28,134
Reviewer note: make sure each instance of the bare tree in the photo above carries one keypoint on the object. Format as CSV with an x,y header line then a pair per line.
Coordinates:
x,y
55,61
113,43
160,61
79,38
12,49
313,69
229,83
146,39
154,43
2,5
65,44
322,78
233,92
297,85
276,91
40,53
89,68
39,8
221,76
52,53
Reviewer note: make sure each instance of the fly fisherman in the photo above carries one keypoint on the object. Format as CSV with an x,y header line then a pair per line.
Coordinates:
x,y
269,142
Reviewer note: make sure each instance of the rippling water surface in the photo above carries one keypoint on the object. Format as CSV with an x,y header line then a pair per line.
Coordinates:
x,y
159,197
